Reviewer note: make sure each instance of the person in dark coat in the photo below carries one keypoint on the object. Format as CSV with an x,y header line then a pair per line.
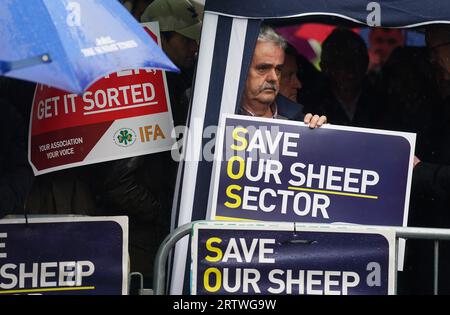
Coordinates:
x,y
411,102
180,27
346,97
142,187
430,204
16,176
68,191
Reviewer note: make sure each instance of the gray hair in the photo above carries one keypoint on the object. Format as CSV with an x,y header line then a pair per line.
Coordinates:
x,y
268,34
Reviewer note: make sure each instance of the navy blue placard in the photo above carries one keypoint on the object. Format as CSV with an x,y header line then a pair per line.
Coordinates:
x,y
257,261
76,258
366,174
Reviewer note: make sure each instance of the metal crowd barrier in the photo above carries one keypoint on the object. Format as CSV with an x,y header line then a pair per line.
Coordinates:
x,y
159,282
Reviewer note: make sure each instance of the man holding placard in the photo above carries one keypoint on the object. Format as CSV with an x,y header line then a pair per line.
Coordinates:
x,y
261,97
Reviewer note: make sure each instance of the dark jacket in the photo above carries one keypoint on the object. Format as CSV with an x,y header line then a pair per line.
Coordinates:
x,y
63,192
142,188
367,107
289,109
20,94
16,176
68,191
430,207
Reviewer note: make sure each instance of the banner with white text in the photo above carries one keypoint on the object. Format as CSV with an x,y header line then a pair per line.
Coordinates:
x,y
122,115
277,170
252,259
64,256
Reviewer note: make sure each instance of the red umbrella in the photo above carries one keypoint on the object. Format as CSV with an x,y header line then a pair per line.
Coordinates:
x,y
303,37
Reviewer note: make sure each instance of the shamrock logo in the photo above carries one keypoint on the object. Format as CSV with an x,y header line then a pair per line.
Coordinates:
x,y
125,137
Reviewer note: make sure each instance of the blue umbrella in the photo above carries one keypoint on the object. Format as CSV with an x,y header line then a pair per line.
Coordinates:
x,y
69,44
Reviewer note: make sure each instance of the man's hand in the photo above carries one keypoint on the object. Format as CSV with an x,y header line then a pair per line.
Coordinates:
x,y
416,160
314,121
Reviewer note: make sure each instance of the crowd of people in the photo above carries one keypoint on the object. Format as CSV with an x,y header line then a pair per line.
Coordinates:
x,y
405,88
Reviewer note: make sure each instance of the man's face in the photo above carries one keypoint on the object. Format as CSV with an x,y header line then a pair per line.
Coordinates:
x,y
438,44
181,50
289,82
263,81
384,41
